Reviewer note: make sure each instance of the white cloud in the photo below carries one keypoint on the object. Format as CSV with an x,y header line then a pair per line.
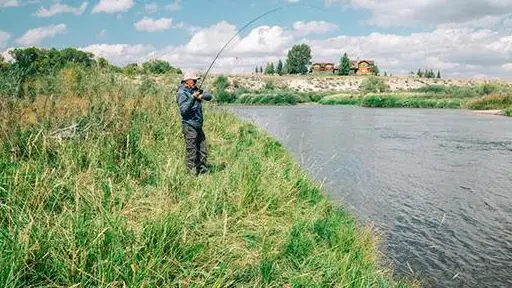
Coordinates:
x,y
35,36
174,6
151,7
507,67
313,27
457,52
264,39
9,3
151,25
405,12
4,38
113,6
58,8
120,54
211,39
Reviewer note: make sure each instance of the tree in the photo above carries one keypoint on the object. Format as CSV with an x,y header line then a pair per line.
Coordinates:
x,y
267,69
157,67
298,58
344,69
257,70
103,63
375,70
438,74
271,69
279,69
420,74
261,69
3,64
385,74
131,69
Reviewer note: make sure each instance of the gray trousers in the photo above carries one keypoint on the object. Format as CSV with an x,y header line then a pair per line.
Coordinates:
x,y
195,149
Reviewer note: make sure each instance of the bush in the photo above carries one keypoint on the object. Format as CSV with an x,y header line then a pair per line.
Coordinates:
x,y
221,83
373,85
493,101
269,85
508,112
225,97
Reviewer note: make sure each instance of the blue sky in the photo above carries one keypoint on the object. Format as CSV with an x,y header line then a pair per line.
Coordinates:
x,y
462,38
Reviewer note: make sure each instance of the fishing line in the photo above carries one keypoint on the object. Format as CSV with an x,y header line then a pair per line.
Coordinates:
x,y
247,25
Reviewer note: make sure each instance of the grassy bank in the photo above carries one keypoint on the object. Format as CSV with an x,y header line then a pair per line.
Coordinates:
x,y
393,100
374,92
93,193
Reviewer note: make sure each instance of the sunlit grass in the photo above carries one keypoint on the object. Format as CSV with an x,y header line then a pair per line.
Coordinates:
x,y
107,202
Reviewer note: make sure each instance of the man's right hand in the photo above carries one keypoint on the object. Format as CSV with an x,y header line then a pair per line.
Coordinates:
x,y
197,95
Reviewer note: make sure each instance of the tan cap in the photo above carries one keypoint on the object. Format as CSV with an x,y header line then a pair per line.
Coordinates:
x,y
190,76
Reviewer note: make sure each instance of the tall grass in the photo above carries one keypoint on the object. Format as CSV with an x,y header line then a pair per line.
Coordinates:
x,y
107,202
392,100
493,101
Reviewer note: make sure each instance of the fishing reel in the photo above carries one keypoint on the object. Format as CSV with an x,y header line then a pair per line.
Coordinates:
x,y
196,89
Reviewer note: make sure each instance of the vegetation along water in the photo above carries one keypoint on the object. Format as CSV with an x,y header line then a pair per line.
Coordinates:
x,y
93,191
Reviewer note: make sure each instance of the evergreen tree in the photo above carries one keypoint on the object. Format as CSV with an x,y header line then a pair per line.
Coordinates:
x,y
285,68
375,70
267,69
438,74
420,74
279,69
271,69
257,70
385,74
261,69
344,68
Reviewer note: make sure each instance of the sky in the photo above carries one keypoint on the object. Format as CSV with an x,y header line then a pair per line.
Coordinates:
x,y
461,38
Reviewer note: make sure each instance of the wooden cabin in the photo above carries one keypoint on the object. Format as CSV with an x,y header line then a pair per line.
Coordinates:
x,y
362,67
327,68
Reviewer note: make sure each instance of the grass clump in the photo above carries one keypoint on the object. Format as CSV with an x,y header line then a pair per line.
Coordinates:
x,y
493,101
373,84
508,112
109,203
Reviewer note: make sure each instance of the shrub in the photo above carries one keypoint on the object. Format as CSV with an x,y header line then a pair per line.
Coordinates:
x,y
373,85
221,83
269,85
225,97
493,101
508,112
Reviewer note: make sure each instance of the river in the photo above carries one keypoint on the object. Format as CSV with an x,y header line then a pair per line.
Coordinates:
x,y
436,183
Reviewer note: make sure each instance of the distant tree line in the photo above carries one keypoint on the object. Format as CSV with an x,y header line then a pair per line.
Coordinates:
x,y
31,62
428,74
297,62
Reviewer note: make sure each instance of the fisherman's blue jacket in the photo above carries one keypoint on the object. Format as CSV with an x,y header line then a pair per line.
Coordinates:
x,y
190,109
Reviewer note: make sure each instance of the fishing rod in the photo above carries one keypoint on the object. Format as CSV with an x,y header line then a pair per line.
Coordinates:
x,y
247,25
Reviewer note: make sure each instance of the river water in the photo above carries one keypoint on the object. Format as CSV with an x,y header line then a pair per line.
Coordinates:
x,y
436,183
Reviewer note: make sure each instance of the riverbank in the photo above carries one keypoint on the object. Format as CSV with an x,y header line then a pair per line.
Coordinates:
x,y
93,193
375,92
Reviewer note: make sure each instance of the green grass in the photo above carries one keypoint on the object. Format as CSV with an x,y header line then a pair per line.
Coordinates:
x,y
113,206
392,100
508,112
493,101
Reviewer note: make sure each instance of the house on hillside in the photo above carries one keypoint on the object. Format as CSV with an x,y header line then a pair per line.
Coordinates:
x,y
362,67
357,67
327,68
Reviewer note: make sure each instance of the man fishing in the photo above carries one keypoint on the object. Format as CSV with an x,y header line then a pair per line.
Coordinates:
x,y
189,99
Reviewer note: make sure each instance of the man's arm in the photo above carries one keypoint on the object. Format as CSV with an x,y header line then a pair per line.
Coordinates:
x,y
206,96
185,102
